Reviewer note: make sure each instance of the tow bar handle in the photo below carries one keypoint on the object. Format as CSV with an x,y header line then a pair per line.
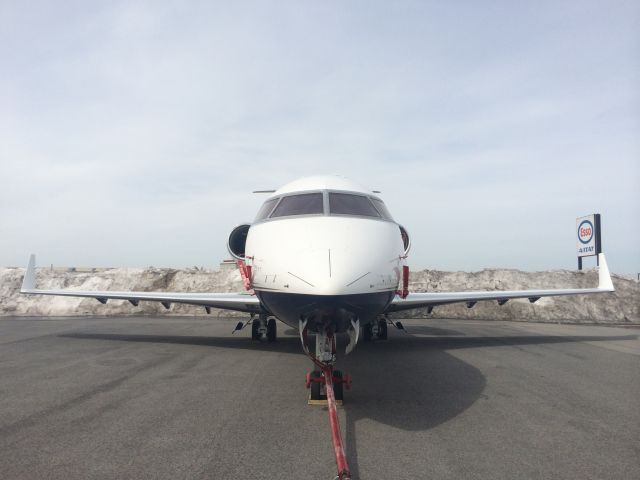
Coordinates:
x,y
341,459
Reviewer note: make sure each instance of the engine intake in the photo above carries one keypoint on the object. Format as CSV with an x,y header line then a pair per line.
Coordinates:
x,y
406,240
238,240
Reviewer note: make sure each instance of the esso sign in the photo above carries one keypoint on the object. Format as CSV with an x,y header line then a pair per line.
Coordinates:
x,y
588,235
585,231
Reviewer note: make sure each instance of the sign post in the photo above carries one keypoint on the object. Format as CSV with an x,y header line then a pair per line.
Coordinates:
x,y
589,242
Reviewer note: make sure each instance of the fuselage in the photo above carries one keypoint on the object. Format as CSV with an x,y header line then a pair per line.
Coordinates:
x,y
327,251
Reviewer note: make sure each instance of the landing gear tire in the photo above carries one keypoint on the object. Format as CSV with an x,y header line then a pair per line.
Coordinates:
x,y
271,330
367,332
255,333
338,389
382,330
315,386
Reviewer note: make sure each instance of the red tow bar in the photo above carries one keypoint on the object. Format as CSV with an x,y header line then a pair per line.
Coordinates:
x,y
341,459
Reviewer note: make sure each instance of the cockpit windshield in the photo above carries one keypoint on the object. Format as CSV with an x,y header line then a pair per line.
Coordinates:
x,y
348,204
339,203
303,204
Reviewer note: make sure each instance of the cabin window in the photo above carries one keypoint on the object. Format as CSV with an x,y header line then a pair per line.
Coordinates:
x,y
304,204
382,208
348,204
266,208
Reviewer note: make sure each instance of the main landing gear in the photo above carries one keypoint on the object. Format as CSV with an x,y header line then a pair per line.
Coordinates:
x,y
377,330
333,382
263,329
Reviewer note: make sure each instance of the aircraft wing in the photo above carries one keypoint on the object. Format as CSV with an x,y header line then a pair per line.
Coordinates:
x,y
227,301
421,300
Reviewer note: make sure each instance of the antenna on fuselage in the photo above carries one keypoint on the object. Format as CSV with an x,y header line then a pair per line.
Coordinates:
x,y
263,191
376,191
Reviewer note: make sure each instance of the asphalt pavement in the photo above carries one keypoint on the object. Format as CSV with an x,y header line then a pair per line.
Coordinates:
x,y
182,398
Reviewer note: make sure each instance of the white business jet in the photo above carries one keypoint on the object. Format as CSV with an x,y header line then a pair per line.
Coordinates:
x,y
325,256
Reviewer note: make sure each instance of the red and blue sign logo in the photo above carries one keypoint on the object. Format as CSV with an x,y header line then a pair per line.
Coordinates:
x,y
585,231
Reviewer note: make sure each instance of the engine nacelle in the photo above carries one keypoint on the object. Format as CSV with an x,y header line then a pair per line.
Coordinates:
x,y
238,240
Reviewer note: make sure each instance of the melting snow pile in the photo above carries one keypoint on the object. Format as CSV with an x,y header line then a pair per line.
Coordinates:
x,y
622,306
121,279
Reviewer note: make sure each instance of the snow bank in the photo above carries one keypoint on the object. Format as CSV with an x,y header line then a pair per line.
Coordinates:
x,y
619,307
139,279
622,306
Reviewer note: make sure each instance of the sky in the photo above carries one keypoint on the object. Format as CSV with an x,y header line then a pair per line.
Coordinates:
x,y
133,133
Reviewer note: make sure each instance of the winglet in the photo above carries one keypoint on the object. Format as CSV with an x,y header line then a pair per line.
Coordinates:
x,y
604,277
29,281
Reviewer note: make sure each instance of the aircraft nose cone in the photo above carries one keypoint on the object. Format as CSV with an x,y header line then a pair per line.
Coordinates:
x,y
326,255
344,271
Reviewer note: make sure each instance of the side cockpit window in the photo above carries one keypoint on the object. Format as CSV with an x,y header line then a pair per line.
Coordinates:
x,y
304,204
348,204
266,208
382,208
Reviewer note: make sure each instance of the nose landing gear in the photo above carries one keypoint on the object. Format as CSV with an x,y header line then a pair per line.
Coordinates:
x,y
375,331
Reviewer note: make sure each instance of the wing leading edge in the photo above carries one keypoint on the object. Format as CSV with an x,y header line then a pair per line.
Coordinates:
x,y
226,301
420,300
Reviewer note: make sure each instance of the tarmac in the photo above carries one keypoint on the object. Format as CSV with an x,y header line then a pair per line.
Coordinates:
x,y
183,398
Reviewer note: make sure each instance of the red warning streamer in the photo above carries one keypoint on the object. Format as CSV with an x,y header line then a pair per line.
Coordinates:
x,y
245,273
405,282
